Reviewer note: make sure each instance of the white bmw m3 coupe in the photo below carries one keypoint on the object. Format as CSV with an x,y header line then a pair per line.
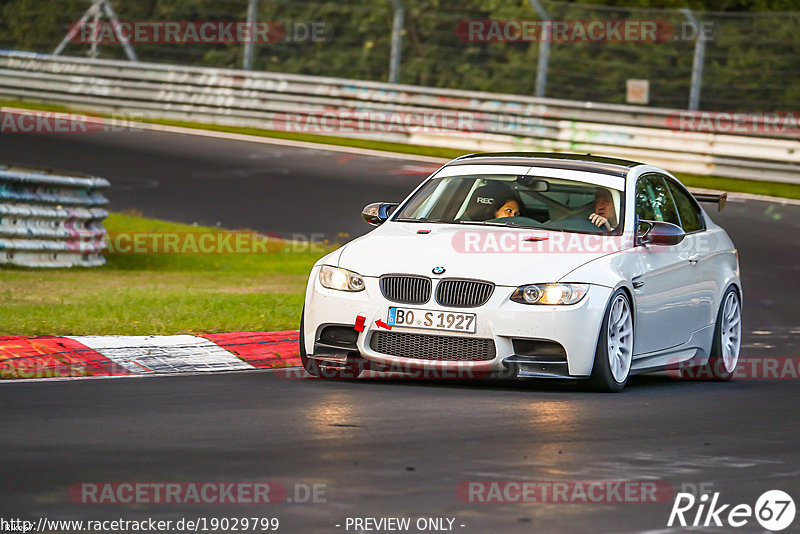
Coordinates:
x,y
533,266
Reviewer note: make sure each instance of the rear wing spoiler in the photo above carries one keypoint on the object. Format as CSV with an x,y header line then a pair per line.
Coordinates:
x,y
716,198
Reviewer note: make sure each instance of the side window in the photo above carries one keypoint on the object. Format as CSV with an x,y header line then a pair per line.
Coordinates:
x,y
691,220
653,201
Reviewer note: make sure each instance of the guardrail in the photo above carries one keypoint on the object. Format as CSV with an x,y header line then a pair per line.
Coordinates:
x,y
496,121
51,221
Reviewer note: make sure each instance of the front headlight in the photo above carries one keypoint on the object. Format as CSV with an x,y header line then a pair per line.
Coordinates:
x,y
550,293
340,279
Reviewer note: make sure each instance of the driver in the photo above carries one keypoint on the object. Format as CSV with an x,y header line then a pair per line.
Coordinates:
x,y
604,213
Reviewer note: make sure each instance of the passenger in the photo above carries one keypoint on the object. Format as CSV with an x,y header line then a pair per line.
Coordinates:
x,y
493,200
604,213
509,207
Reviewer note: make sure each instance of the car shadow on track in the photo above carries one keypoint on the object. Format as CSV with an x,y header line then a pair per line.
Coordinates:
x,y
650,382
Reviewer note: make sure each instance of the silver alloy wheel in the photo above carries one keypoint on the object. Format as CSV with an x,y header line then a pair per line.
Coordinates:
x,y
620,338
730,331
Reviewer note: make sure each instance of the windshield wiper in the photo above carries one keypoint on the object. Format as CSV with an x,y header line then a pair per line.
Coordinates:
x,y
487,223
452,221
421,220
497,223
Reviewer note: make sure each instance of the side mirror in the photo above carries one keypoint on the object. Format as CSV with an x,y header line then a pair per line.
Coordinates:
x,y
659,233
377,213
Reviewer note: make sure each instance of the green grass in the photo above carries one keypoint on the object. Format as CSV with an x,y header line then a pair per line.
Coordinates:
x,y
143,294
756,187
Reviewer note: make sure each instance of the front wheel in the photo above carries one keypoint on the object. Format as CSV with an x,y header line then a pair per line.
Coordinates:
x,y
614,353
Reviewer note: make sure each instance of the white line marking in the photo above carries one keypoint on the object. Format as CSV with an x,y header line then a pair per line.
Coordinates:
x,y
286,142
164,354
736,197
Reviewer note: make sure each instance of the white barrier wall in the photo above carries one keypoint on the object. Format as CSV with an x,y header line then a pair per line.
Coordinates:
x,y
495,121
51,221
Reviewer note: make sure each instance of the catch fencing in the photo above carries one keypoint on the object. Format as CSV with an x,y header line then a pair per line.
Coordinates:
x,y
47,220
467,120
745,59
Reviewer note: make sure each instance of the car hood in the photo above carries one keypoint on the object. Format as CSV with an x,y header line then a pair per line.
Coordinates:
x,y
504,256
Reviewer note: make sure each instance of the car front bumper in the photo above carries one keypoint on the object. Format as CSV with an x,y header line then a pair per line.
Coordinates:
x,y
573,327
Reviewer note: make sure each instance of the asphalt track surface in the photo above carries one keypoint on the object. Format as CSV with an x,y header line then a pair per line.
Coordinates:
x,y
389,448
234,184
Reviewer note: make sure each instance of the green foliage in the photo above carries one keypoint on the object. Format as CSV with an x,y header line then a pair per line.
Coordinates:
x,y
750,64
36,25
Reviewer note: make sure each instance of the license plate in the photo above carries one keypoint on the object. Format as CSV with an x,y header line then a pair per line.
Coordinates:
x,y
432,320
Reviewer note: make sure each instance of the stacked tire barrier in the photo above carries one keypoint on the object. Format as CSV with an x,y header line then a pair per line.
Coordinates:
x,y
290,102
53,221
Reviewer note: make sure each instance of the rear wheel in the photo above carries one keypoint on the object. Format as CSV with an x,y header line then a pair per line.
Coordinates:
x,y
321,368
614,353
727,342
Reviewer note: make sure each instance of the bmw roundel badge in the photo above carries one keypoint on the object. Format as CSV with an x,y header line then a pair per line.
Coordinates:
x,y
438,270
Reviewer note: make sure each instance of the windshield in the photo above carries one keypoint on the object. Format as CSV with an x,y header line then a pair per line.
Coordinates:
x,y
524,201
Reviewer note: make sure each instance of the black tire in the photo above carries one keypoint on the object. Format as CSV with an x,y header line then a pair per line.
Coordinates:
x,y
319,368
602,378
716,369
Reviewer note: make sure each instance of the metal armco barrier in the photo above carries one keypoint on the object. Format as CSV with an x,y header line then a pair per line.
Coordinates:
x,y
497,121
51,221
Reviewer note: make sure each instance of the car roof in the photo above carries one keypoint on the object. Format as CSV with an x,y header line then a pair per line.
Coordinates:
x,y
576,162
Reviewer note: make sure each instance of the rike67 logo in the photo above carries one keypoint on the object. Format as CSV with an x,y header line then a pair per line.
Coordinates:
x,y
774,510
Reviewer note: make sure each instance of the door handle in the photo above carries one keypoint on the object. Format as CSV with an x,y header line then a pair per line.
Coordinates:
x,y
694,258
